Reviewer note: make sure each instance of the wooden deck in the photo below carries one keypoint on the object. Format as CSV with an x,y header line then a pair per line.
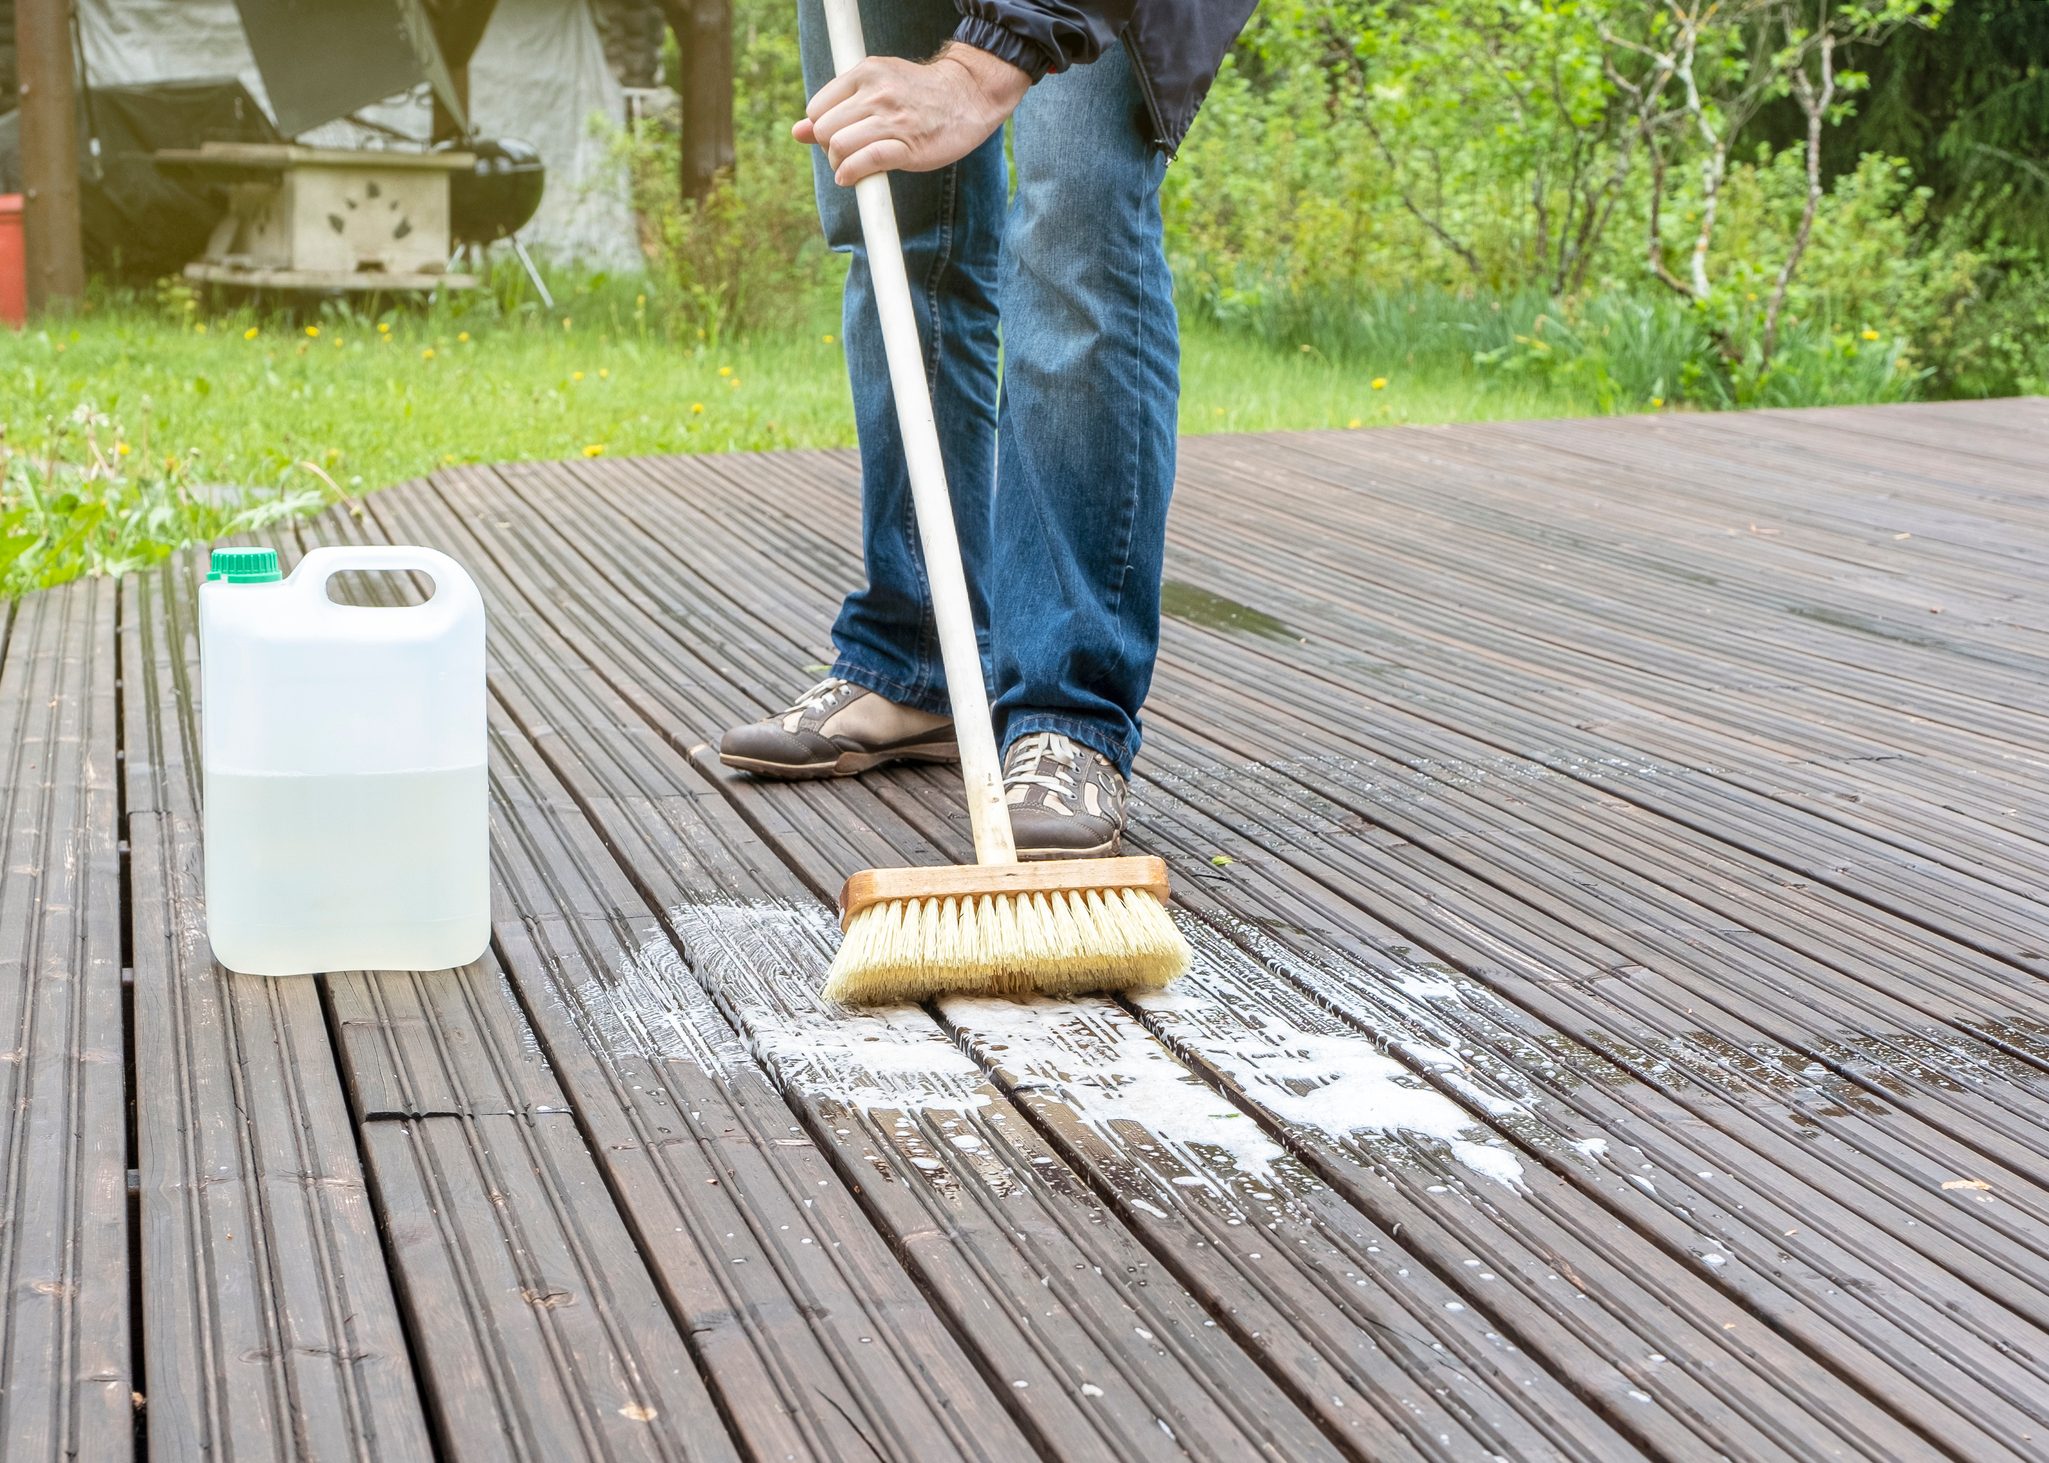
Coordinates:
x,y
1614,852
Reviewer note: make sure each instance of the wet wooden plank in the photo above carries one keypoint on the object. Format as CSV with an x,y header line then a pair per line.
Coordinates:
x,y
781,615
269,1326
816,1340
1158,1205
1626,975
1021,1270
459,1098
65,1381
544,1339
759,576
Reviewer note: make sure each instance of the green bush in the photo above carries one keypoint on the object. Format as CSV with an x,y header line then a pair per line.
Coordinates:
x,y
2001,348
749,257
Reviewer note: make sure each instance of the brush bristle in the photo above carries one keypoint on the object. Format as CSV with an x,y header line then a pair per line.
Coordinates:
x,y
1065,943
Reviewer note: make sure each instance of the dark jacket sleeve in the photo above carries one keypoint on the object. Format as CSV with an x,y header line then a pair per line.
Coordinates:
x,y
1042,35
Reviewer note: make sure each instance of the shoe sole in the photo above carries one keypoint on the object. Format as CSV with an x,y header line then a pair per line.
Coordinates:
x,y
1101,850
847,764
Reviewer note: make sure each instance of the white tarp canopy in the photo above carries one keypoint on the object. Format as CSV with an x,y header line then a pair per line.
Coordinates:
x,y
539,75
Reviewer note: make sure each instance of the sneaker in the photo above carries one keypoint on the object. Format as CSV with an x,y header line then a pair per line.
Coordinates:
x,y
836,729
1066,800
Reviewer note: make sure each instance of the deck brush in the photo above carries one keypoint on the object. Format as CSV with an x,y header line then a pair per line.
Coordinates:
x,y
998,927
1063,928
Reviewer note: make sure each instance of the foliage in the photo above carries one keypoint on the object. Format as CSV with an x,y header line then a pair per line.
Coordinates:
x,y
1693,74
1390,210
748,257
1364,164
2002,347
86,501
1967,104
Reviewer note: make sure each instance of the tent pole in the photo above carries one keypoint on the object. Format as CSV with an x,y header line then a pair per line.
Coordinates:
x,y
49,154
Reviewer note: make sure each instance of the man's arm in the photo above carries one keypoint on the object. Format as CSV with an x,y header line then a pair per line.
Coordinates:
x,y
1038,36
888,114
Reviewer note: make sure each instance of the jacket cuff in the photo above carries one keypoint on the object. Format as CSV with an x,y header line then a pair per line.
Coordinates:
x,y
1005,45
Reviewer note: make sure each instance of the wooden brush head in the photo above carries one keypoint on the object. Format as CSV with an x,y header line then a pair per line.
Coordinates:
x,y
1049,876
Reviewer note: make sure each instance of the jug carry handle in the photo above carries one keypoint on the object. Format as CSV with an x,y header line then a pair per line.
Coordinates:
x,y
454,590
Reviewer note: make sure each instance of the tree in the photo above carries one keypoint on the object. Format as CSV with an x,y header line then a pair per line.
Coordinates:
x,y
49,154
704,42
1697,73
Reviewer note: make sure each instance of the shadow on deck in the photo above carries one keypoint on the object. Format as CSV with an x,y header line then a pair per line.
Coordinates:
x,y
1614,852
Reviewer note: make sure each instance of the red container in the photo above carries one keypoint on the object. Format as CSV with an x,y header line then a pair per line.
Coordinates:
x,y
13,262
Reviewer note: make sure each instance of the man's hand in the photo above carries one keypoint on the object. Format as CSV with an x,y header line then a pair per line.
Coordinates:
x,y
887,114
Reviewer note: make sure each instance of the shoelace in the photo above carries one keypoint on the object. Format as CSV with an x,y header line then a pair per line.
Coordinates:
x,y
1032,751
821,696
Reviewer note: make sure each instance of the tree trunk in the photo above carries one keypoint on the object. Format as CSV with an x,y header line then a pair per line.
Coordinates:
x,y
704,43
1815,102
49,154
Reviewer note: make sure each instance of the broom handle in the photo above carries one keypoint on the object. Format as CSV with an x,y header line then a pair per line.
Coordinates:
x,y
980,768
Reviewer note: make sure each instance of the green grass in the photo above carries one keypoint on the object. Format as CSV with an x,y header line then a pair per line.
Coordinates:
x,y
119,429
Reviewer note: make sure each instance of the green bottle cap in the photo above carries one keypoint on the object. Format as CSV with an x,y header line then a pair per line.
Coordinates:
x,y
245,566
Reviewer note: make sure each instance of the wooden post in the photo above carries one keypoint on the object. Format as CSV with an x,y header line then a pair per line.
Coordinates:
x,y
49,154
704,42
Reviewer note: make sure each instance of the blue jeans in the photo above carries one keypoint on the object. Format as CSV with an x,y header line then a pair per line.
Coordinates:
x,y
1060,482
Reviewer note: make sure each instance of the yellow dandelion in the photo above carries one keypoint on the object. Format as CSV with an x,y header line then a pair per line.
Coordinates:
x,y
1353,422
251,333
1870,334
120,449
596,449
1380,383
826,338
448,457
384,327
313,332
200,328
1218,410
725,370
1751,296
697,408
576,375
565,322
1657,401
639,301
463,336
604,373
427,354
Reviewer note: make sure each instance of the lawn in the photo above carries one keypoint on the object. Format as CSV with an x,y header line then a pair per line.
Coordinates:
x,y
142,424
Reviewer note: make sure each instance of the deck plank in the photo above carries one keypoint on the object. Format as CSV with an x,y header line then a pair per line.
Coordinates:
x,y
543,1329
619,556
1021,1270
65,1377
756,575
269,1324
812,1336
1619,1028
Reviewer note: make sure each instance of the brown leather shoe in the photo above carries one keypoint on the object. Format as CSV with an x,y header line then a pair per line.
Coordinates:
x,y
1066,800
837,729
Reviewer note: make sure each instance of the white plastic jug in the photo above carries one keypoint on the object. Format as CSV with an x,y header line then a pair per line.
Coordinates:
x,y
346,822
